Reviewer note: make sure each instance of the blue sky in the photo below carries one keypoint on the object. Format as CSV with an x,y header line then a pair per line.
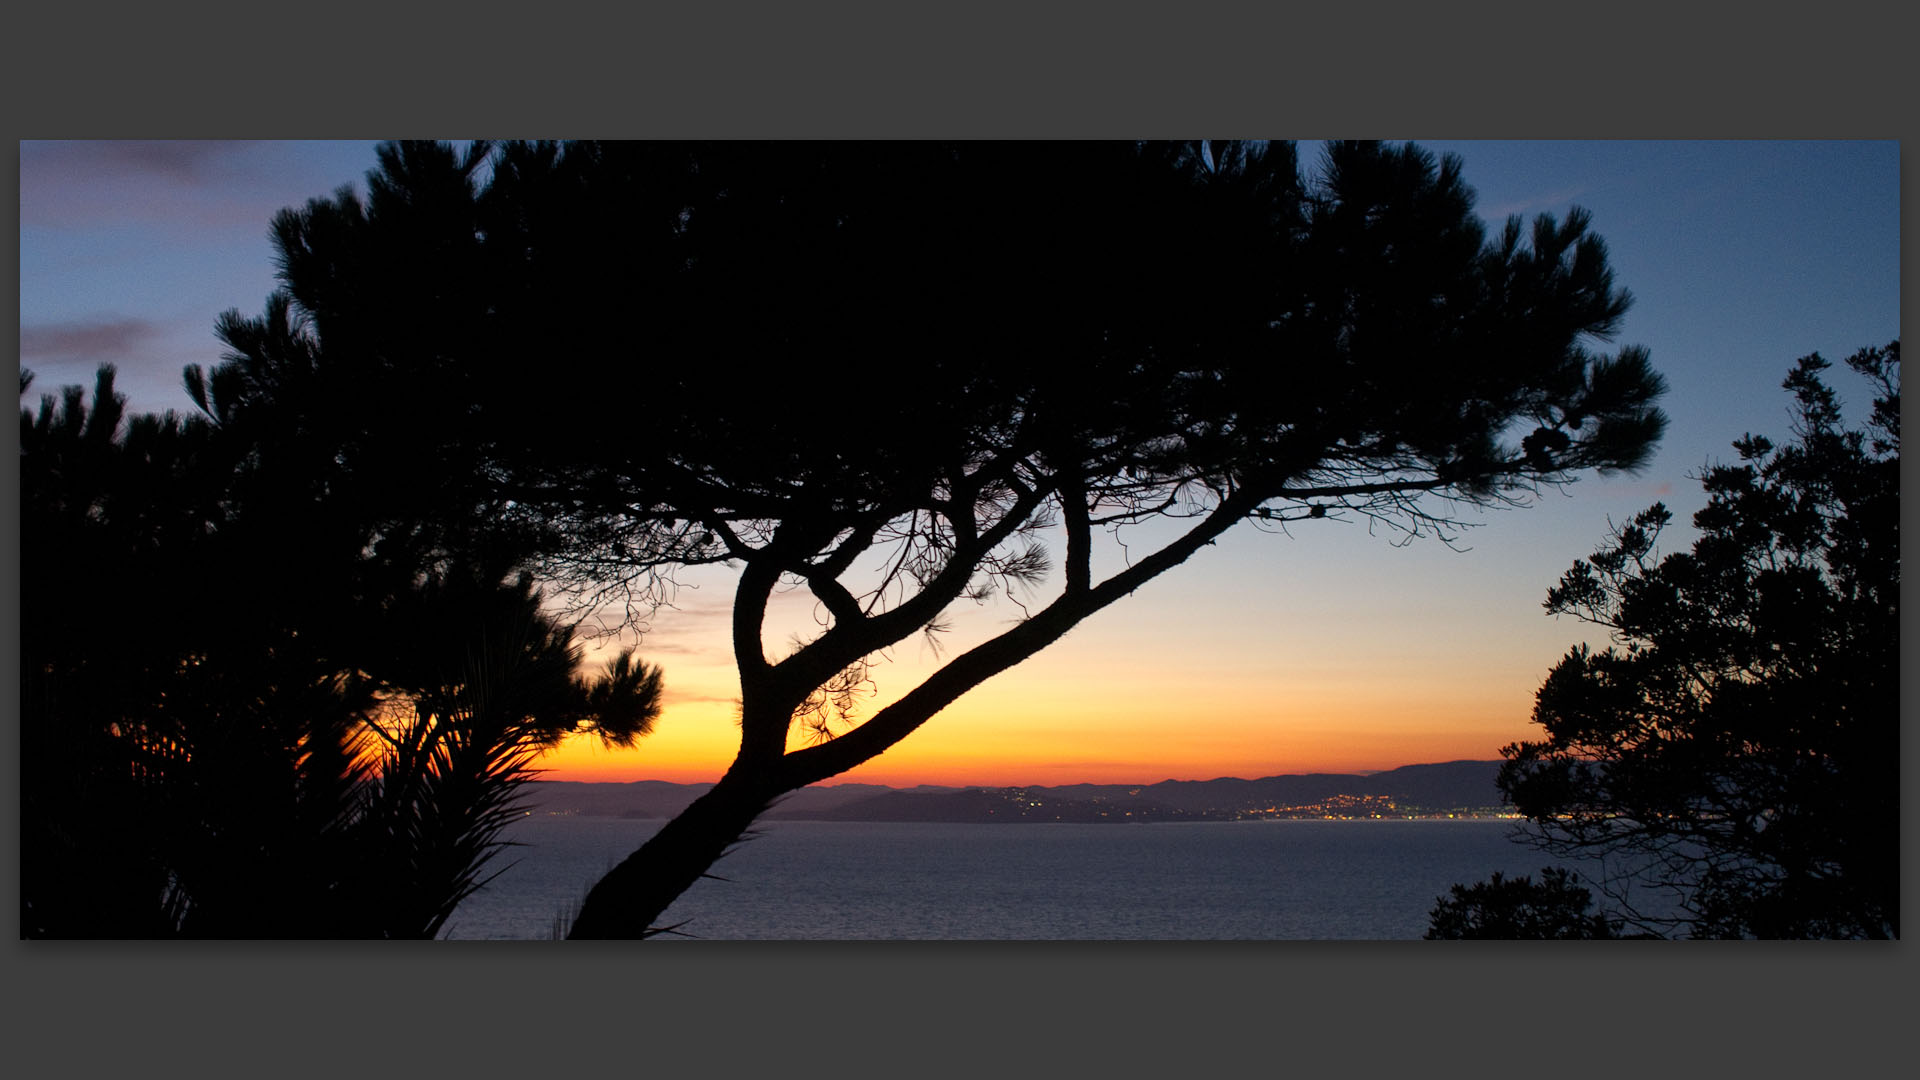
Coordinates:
x,y
1742,256
130,250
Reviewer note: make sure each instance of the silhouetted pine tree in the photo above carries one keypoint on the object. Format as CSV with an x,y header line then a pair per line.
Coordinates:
x,y
885,371
1734,751
1726,767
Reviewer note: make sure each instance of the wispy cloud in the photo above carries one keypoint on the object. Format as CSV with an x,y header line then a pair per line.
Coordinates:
x,y
79,184
103,341
673,697
187,160
654,646
182,185
1637,489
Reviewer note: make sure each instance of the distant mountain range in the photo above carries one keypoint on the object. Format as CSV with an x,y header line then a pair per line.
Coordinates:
x,y
1411,790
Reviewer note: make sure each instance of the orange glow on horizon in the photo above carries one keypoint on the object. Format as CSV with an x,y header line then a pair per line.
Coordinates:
x,y
995,737
1204,677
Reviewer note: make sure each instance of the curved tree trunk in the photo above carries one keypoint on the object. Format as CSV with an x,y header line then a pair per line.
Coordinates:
x,y
629,900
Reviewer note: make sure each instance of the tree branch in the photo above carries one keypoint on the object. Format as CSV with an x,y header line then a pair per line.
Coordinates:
x,y
1079,565
845,643
964,672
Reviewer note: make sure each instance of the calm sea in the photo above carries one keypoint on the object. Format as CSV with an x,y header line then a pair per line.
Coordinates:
x,y
1264,880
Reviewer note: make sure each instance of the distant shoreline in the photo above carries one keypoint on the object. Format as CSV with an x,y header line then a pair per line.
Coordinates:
x,y
1444,790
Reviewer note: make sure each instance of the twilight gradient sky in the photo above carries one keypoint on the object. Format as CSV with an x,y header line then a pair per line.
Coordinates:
x,y
1330,650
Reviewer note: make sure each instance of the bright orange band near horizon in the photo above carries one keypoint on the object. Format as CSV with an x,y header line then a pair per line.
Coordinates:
x,y
1063,720
1243,663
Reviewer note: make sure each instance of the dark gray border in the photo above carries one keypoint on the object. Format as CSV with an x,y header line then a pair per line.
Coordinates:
x,y
1499,70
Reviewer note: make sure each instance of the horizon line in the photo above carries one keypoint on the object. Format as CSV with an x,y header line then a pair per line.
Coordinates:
x,y
832,782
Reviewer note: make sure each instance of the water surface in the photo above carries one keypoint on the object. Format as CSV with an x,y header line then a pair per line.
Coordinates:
x,y
805,880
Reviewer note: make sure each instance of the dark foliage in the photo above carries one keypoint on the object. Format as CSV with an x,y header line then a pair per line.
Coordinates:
x,y
887,373
1735,750
236,719
1501,909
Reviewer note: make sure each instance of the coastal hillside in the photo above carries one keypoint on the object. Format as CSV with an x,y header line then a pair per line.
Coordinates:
x,y
1448,787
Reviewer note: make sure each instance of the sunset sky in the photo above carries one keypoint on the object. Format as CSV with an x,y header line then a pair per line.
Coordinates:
x,y
1327,650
